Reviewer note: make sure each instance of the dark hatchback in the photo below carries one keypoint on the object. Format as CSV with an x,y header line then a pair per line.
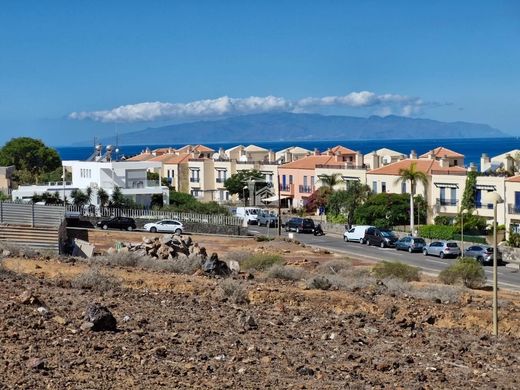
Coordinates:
x,y
300,225
122,223
380,237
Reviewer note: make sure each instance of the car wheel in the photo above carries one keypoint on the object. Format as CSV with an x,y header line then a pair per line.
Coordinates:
x,y
129,228
297,230
425,252
345,238
441,255
104,227
178,231
382,245
153,229
410,250
367,242
480,259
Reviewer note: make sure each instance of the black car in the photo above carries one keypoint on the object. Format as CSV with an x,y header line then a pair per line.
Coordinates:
x,y
380,237
117,223
300,225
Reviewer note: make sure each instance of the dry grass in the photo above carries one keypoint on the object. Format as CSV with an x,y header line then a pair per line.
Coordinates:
x,y
446,294
260,261
17,250
234,291
388,269
282,272
334,267
94,279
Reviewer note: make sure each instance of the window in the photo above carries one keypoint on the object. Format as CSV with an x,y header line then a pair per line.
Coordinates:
x,y
455,162
305,181
290,179
383,186
403,187
312,181
374,187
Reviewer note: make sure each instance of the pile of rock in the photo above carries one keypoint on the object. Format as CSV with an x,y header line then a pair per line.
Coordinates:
x,y
167,247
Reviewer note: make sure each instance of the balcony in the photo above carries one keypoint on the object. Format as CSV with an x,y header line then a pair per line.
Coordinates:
x,y
221,179
287,189
513,209
447,202
194,179
305,189
479,205
131,184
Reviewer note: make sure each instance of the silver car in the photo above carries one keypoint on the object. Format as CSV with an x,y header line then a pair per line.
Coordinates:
x,y
483,253
442,249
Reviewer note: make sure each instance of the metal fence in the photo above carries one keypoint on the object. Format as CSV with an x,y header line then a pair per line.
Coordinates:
x,y
106,212
34,215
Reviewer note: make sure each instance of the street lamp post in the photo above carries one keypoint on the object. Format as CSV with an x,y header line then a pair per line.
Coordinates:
x,y
244,194
494,198
462,232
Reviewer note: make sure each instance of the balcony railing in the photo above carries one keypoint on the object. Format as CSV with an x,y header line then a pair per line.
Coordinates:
x,y
447,202
479,205
450,172
285,187
513,208
305,189
220,179
194,180
131,184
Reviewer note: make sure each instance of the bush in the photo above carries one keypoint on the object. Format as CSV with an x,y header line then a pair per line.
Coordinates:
x,y
397,270
278,271
466,270
234,290
94,280
320,283
437,232
260,262
338,218
263,238
514,239
333,267
183,265
444,220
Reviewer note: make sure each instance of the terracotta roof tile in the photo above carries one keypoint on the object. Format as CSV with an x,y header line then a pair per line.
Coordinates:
x,y
514,179
441,151
342,150
177,158
310,162
140,157
422,164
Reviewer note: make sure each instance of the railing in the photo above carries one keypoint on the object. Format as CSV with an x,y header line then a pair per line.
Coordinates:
x,y
340,166
142,184
513,208
447,202
285,187
105,212
220,179
194,180
484,205
305,189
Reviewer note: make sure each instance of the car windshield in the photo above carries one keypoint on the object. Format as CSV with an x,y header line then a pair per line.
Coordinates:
x,y
419,241
489,250
387,233
451,245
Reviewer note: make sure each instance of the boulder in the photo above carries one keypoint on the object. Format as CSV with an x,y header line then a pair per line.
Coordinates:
x,y
100,317
234,266
215,267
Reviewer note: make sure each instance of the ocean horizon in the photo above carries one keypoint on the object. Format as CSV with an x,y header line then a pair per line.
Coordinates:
x,y
471,148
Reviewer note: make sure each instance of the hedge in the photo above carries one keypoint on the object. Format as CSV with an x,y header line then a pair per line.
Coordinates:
x,y
437,232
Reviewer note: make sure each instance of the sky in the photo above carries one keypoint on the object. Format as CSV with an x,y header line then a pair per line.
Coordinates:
x,y
72,70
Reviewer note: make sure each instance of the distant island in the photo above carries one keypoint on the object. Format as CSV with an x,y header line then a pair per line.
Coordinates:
x,y
302,127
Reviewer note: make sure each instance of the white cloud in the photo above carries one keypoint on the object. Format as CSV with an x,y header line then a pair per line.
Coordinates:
x,y
151,111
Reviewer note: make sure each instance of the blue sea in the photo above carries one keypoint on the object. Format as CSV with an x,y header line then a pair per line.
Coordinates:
x,y
471,148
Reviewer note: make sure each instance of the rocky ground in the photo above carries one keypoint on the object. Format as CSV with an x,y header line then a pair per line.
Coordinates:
x,y
178,331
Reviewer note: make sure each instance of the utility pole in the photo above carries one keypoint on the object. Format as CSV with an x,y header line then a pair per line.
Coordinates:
x,y
279,209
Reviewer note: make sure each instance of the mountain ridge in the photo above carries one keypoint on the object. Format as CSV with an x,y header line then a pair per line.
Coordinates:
x,y
287,126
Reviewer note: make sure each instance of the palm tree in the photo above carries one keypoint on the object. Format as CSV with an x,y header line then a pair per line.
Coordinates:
x,y
103,197
413,176
330,180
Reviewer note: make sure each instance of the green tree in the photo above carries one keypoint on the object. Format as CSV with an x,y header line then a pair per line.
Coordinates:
x,y
347,201
413,176
384,210
103,197
79,198
319,198
331,180
31,157
157,201
118,199
238,182
470,192
88,193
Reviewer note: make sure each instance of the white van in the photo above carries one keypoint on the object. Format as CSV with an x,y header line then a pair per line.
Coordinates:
x,y
248,214
356,233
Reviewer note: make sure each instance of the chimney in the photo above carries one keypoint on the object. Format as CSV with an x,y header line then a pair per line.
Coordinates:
x,y
337,156
316,152
271,156
374,161
413,155
485,162
431,155
444,162
509,163
359,159
472,167
288,157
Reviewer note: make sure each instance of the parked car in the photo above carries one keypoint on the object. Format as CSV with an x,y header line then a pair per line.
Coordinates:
x,y
249,214
410,244
165,226
266,217
380,237
442,249
300,225
483,253
123,223
356,233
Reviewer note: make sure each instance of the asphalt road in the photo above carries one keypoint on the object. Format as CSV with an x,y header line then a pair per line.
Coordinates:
x,y
508,278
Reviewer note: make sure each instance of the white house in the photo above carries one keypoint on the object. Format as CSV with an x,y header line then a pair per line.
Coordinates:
x,y
102,172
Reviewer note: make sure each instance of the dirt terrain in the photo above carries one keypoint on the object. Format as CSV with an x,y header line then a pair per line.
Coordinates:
x,y
182,331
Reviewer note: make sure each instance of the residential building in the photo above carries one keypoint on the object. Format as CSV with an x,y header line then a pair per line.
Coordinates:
x,y
291,154
383,156
6,182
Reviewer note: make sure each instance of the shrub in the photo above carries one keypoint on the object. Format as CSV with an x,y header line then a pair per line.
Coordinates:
x,y
278,271
333,267
397,270
94,280
263,238
319,282
338,218
514,239
260,261
466,270
121,259
234,290
444,220
437,232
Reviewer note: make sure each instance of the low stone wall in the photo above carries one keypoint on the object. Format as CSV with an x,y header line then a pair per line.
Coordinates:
x,y
189,227
510,254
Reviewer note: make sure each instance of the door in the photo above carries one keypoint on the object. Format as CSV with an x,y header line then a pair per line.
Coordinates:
x,y
478,199
517,200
